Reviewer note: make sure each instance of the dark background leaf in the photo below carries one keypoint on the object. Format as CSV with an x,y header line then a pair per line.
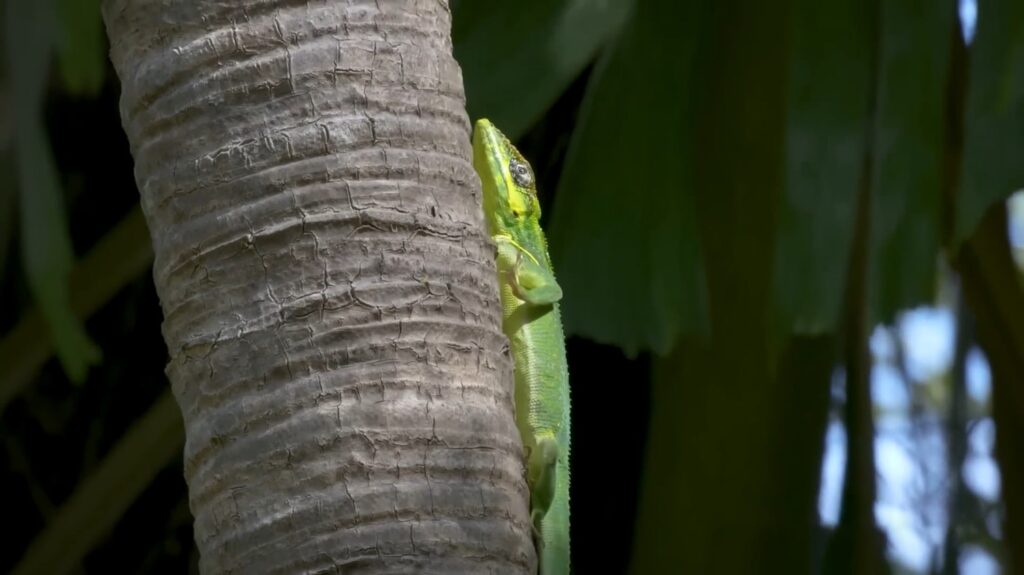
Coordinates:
x,y
910,131
826,121
994,119
623,229
517,57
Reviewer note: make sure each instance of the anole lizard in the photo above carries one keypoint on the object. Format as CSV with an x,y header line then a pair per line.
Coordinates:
x,y
531,320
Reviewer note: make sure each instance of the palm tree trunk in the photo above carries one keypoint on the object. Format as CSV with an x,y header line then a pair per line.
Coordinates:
x,y
329,295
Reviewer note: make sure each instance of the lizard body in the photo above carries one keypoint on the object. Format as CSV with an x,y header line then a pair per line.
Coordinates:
x,y
531,320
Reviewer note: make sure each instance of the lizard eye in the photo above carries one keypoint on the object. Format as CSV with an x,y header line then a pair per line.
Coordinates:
x,y
520,173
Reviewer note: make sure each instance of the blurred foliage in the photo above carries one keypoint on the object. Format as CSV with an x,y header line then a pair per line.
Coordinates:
x,y
31,33
642,187
633,223
81,47
624,227
657,221
910,129
1016,209
994,118
826,108
518,57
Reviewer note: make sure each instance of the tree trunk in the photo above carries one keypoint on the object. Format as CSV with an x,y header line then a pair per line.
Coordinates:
x,y
329,294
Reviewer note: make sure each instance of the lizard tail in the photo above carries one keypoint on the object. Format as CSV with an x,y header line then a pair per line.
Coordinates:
x,y
554,545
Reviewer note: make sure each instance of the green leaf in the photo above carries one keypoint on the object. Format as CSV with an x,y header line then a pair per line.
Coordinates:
x,y
45,245
910,134
122,255
518,57
826,119
623,231
739,167
994,118
81,51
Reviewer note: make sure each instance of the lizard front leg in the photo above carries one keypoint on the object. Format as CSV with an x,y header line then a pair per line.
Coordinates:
x,y
530,281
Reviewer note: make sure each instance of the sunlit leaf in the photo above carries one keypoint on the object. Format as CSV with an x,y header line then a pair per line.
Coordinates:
x,y
518,57
623,230
994,118
45,245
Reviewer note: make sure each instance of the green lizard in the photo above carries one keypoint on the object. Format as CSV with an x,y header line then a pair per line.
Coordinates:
x,y
531,320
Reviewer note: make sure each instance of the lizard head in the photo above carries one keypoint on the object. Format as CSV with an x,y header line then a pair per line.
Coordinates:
x,y
509,186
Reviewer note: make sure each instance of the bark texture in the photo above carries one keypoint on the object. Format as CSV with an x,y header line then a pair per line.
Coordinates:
x,y
329,294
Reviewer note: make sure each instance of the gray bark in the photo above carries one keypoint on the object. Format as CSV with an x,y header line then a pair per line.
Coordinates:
x,y
329,295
